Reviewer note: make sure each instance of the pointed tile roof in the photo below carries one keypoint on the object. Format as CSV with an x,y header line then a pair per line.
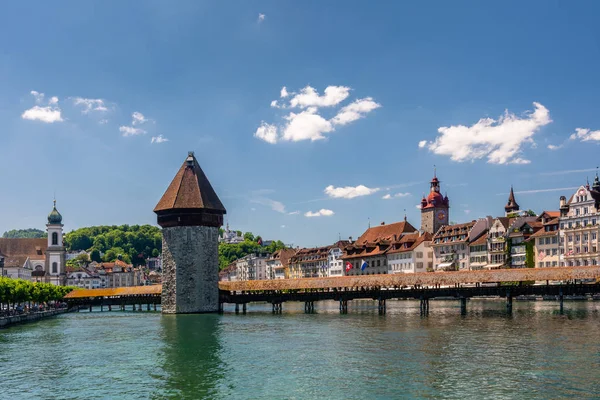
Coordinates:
x,y
512,203
190,189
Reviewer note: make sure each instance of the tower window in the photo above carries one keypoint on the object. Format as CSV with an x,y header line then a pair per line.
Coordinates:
x,y
54,268
54,239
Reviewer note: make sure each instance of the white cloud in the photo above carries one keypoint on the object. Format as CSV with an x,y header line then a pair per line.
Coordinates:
x,y
390,196
321,213
273,204
39,97
349,192
90,104
131,131
43,114
554,147
103,121
499,140
585,135
267,132
49,114
159,139
306,125
283,226
568,171
540,191
294,213
467,212
418,206
138,118
355,110
422,143
261,18
309,97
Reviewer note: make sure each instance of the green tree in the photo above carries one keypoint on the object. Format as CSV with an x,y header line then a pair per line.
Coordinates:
x,y
155,253
249,236
30,233
95,255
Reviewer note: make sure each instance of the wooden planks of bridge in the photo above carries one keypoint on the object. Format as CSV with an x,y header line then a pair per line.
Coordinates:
x,y
115,292
418,279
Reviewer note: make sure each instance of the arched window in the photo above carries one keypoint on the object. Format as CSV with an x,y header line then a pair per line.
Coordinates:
x,y
54,268
54,239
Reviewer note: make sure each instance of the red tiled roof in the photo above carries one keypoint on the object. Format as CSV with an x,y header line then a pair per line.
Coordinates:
x,y
543,233
33,248
190,189
409,242
385,232
480,240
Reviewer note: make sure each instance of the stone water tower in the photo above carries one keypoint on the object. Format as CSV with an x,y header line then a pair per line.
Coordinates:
x,y
190,214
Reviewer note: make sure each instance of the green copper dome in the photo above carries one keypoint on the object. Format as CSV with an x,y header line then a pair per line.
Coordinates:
x,y
54,217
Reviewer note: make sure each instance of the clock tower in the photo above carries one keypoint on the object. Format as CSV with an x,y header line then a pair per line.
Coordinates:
x,y
434,208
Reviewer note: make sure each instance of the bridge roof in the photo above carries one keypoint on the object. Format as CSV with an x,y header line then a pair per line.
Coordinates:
x,y
122,291
421,278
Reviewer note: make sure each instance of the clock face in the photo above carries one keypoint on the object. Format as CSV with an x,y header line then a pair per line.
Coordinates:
x,y
581,192
441,215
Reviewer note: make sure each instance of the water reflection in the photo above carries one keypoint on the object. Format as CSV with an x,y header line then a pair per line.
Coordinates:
x,y
192,366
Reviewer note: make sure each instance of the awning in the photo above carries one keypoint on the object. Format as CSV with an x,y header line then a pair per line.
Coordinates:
x,y
479,264
493,266
444,265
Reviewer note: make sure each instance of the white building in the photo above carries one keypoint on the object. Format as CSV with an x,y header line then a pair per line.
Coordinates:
x,y
230,237
83,278
451,244
252,267
579,226
334,259
412,253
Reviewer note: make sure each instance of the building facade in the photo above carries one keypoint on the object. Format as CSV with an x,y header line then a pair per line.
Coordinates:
x,y
412,253
546,241
367,255
579,226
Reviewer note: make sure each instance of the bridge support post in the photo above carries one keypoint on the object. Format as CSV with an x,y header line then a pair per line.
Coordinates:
x,y
237,308
509,302
109,307
381,306
561,299
148,307
244,308
463,305
154,306
90,308
424,306
343,306
221,307
309,307
101,307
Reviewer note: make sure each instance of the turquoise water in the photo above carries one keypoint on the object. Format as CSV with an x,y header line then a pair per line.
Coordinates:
x,y
534,354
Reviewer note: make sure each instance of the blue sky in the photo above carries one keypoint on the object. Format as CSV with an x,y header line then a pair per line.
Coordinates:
x,y
481,90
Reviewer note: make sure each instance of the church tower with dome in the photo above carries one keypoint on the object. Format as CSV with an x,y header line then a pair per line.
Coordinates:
x,y
434,208
55,253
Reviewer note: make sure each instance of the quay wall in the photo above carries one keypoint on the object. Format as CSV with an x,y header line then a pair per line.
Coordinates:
x,y
19,319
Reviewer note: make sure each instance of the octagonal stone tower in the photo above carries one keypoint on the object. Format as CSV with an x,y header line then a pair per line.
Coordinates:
x,y
190,214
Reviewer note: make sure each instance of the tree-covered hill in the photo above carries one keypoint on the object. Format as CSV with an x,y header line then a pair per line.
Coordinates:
x,y
132,243
30,233
231,252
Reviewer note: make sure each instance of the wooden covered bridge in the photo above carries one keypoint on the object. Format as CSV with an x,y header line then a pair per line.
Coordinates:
x,y
507,283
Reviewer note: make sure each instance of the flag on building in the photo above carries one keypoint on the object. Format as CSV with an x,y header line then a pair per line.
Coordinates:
x,y
363,265
348,266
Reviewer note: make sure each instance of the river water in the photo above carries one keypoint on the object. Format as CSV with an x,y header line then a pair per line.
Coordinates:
x,y
535,353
